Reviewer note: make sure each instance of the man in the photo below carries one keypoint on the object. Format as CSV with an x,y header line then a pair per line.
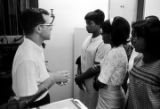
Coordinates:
x,y
29,73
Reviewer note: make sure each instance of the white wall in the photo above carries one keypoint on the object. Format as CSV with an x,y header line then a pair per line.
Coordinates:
x,y
69,14
152,7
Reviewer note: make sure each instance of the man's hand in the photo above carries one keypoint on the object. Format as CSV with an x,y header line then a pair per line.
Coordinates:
x,y
61,77
57,77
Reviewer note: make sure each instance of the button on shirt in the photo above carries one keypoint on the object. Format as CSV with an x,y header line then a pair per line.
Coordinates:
x,y
28,70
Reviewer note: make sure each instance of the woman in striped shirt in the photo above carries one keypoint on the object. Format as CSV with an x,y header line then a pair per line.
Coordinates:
x,y
144,86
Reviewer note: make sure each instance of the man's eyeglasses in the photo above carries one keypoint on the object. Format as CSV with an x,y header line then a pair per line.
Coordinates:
x,y
49,24
46,24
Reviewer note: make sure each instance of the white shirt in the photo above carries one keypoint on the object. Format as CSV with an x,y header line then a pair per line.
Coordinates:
x,y
28,70
114,67
93,50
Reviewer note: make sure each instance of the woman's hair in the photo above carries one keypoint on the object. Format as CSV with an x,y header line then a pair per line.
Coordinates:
x,y
120,31
31,18
106,26
97,16
150,31
152,18
138,28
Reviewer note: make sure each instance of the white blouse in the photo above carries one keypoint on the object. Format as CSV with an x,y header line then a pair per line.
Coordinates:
x,y
114,67
93,50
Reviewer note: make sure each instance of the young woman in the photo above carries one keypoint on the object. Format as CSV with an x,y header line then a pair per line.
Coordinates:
x,y
114,68
92,53
144,86
106,36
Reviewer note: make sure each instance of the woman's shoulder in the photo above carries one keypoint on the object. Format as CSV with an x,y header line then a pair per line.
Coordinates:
x,y
104,47
117,53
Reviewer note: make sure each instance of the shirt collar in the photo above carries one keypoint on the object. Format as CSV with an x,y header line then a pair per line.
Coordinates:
x,y
96,38
33,45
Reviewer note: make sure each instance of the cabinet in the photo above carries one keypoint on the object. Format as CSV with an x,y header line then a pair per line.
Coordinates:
x,y
123,8
7,52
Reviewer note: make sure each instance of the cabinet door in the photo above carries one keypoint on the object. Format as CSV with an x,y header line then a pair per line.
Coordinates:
x,y
123,8
116,8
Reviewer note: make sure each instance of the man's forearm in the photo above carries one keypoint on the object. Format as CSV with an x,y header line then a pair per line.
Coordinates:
x,y
47,83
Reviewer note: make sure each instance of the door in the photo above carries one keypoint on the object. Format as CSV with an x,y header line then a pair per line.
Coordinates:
x,y
123,8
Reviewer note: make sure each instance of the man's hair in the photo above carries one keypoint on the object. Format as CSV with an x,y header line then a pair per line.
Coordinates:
x,y
97,16
31,18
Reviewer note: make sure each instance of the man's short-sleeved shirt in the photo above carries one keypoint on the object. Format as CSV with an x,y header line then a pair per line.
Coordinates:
x,y
28,70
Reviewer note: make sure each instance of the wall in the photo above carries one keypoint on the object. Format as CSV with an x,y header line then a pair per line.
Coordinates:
x,y
79,36
69,14
152,7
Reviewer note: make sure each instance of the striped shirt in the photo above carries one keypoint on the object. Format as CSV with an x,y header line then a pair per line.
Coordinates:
x,y
144,88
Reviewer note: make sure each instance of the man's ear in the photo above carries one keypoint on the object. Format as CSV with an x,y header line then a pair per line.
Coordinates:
x,y
38,29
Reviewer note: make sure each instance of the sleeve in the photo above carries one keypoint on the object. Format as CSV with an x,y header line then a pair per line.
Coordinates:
x,y
107,68
26,79
101,51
